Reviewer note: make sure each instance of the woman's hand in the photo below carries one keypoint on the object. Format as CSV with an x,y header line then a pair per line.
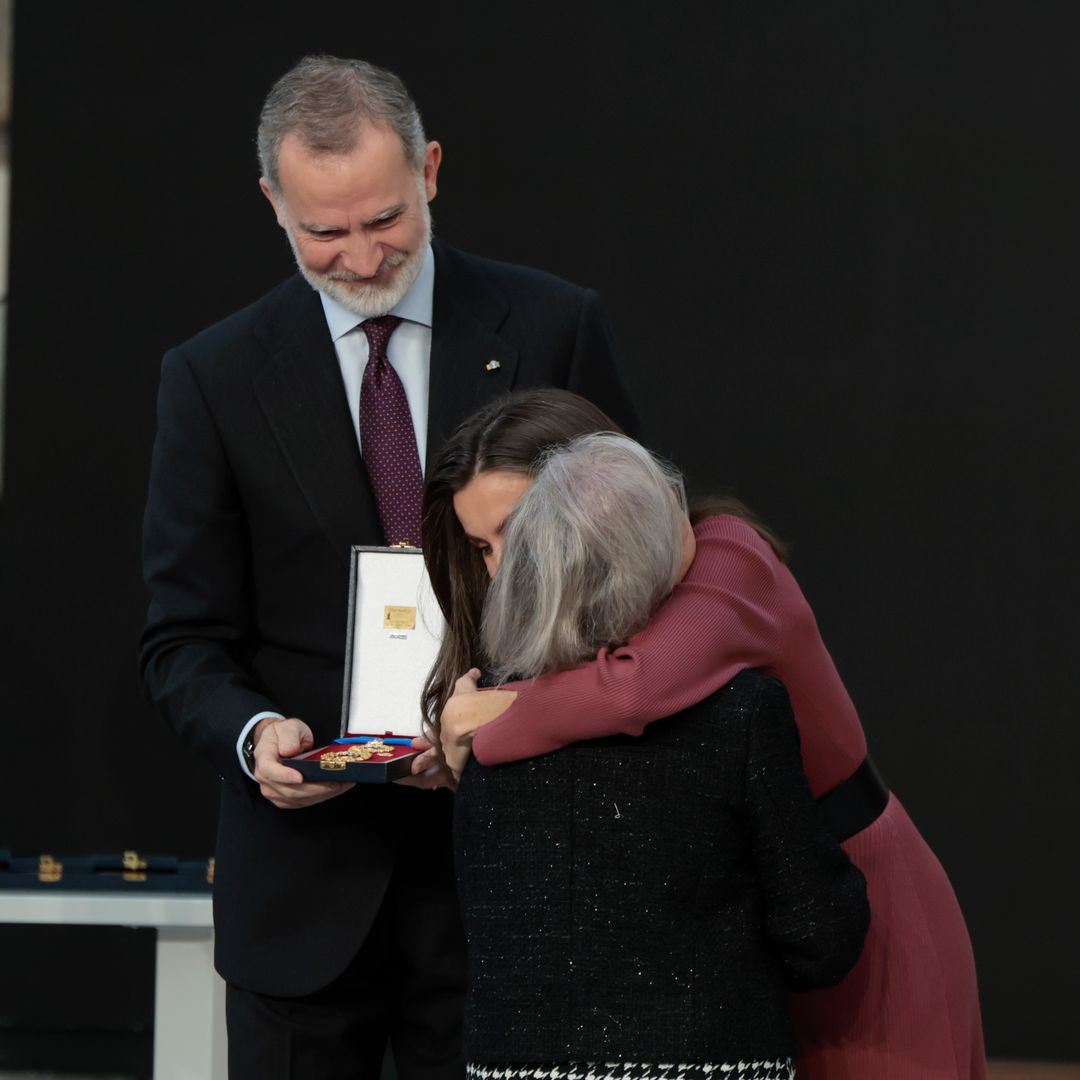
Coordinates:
x,y
428,770
467,710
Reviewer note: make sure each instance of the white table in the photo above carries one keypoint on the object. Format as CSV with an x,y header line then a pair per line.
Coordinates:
x,y
189,998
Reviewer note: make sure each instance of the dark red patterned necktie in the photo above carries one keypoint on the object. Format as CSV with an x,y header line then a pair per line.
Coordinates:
x,y
387,439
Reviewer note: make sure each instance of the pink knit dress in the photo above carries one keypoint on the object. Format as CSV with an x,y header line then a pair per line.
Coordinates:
x,y
909,1010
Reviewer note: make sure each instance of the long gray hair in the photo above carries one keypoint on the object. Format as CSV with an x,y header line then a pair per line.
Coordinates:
x,y
591,549
326,101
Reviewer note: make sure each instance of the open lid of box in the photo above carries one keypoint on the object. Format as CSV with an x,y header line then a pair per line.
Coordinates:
x,y
395,627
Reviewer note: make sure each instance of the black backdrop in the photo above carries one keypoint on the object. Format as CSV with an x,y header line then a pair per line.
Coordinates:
x,y
838,242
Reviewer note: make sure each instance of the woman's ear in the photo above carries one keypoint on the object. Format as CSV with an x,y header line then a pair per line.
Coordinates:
x,y
689,547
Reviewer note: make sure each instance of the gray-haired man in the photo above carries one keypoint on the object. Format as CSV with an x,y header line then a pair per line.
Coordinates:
x,y
337,926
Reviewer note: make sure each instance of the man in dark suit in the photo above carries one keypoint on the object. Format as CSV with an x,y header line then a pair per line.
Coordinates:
x,y
336,920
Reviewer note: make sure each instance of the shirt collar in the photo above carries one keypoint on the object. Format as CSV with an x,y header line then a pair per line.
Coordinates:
x,y
415,306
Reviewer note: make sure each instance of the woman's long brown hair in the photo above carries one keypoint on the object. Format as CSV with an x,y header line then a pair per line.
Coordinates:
x,y
511,433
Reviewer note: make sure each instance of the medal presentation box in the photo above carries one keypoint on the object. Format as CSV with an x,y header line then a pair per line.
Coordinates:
x,y
395,627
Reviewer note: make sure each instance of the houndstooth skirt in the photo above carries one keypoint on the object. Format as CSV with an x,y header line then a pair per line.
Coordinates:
x,y
632,1070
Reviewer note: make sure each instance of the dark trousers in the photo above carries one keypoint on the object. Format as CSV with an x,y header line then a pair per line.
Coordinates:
x,y
405,986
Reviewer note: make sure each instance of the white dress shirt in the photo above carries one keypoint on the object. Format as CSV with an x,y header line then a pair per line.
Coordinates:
x,y
409,354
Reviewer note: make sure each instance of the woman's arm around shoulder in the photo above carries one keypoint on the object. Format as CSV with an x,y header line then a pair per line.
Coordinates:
x,y
725,615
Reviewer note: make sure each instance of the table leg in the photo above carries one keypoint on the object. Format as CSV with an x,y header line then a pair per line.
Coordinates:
x,y
189,1007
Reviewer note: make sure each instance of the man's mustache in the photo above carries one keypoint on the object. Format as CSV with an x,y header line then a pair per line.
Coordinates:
x,y
352,277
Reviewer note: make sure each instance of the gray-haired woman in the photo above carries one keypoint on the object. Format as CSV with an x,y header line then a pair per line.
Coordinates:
x,y
634,907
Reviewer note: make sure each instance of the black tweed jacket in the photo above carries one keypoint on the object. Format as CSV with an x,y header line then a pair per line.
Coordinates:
x,y
652,899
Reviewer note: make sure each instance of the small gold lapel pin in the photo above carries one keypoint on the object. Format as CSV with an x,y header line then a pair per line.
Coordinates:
x,y
492,365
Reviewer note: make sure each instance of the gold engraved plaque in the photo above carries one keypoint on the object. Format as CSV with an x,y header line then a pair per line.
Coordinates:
x,y
399,617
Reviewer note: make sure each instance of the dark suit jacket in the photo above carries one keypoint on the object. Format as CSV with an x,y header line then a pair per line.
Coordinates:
x,y
257,492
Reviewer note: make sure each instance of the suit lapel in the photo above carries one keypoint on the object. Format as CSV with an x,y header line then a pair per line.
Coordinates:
x,y
303,399
470,362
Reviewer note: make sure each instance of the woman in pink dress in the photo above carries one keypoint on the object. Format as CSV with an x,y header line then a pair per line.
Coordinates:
x,y
909,1010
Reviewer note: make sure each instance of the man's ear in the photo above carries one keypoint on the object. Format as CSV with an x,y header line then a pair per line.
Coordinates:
x,y
275,200
432,161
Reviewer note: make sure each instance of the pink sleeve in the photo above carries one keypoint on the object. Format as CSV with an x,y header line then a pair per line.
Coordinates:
x,y
722,617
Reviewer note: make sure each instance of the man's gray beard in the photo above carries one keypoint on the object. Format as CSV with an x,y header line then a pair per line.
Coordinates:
x,y
368,301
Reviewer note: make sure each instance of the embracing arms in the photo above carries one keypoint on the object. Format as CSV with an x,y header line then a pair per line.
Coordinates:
x,y
726,614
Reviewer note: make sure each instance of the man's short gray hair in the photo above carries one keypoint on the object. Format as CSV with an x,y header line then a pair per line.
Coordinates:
x,y
326,101
591,549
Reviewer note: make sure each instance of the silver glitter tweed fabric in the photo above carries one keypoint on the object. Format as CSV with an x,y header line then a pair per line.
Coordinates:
x,y
647,900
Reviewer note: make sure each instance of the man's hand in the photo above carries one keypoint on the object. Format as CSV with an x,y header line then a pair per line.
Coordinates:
x,y
467,710
276,739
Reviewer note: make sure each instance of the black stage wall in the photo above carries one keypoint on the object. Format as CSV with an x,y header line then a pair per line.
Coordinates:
x,y
838,242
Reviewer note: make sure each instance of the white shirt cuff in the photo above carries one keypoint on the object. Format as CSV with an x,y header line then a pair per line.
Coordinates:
x,y
244,734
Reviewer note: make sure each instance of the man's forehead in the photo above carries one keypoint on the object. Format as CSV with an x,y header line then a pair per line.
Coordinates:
x,y
364,183
366,140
